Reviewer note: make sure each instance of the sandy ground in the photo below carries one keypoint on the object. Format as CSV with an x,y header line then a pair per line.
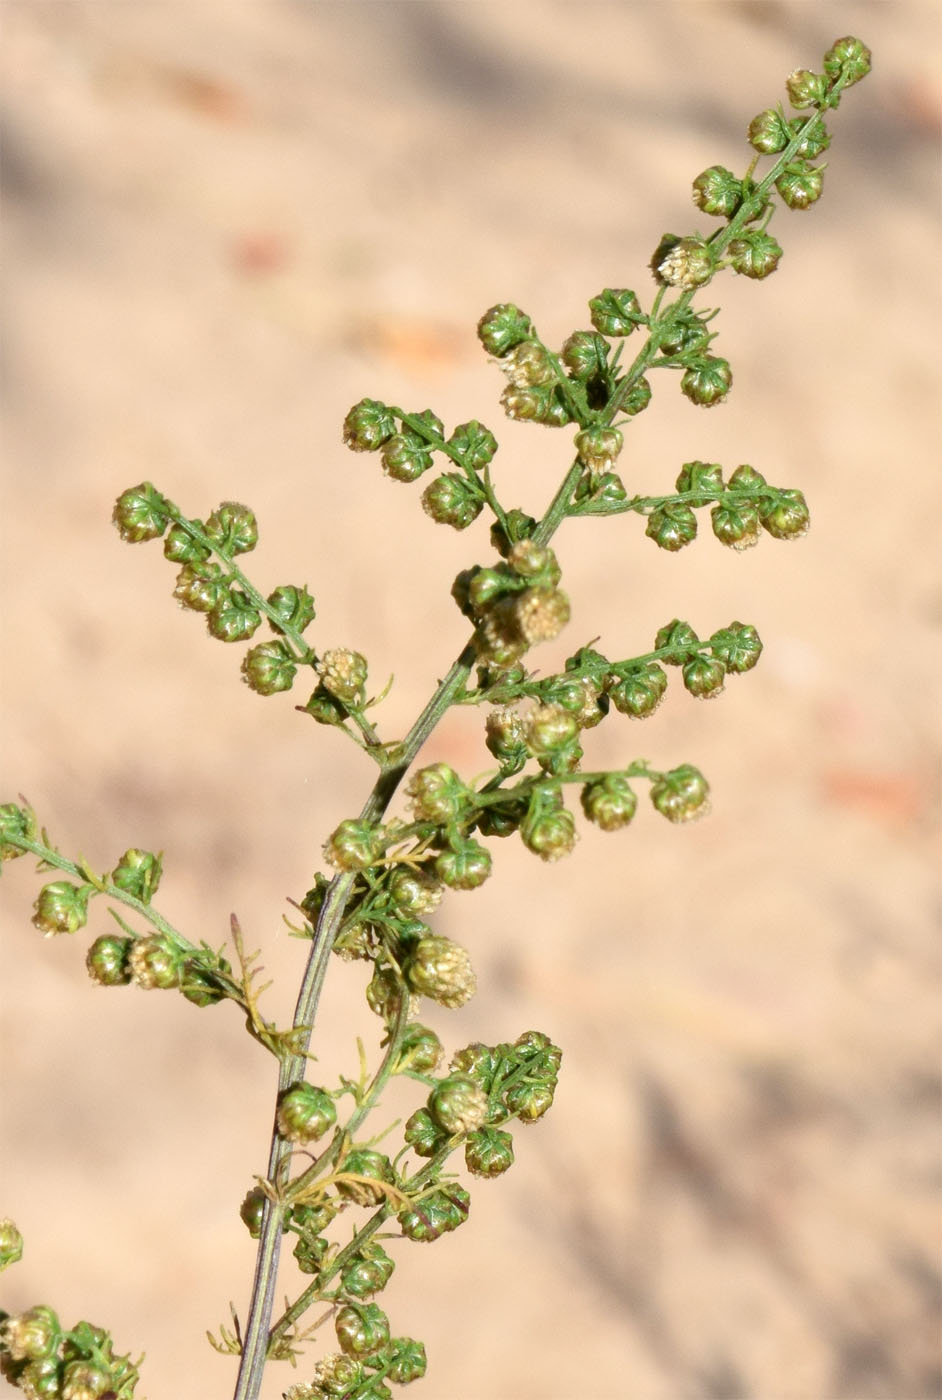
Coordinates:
x,y
226,222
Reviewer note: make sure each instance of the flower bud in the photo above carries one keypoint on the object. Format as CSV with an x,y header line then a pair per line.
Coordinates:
x,y
435,1214
489,1152
536,404
251,1211
502,327
815,140
354,941
754,254
848,59
517,526
367,426
436,793
441,970
11,1244
233,619
294,606
15,822
464,866
155,961
540,614
609,802
451,500
585,355
32,1334
637,398
640,692
420,1050
334,1375
200,586
414,891
685,333
310,1253
549,829
718,191
354,845
384,994
746,478
506,739
682,262
599,447
138,873
305,1113
616,312
458,1104
107,961
682,794
475,443
786,517
343,673
423,1134
671,526
534,562
324,707
705,478
180,547
362,1329
736,526
368,1272
805,89
232,528
737,646
528,364
406,1361
361,1161
141,513
405,456
707,381
528,1101
679,637
800,184
768,132
704,676
85,1380
477,1060
550,728
62,907
268,668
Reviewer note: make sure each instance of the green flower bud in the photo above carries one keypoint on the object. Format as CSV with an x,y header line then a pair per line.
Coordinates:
x,y
305,1113
736,526
682,794
517,526
549,829
502,327
746,478
707,381
233,619
535,1048
441,970
585,355
458,1104
599,447
11,1244
609,802
155,961
354,941
107,961
534,562
354,845
200,586
138,873
768,132
477,1060
682,262
704,676
85,1380
535,404
310,1253
181,548
848,59
373,1165
32,1335
436,793
368,1272
702,477
754,254
800,184
506,739
685,334
640,692
268,668
539,614
367,426
718,191
420,1050
464,866
677,635
528,364
489,1152
476,444
737,646
384,994
550,728
423,1134
251,1211
805,89
414,891
637,398
616,312
343,673
294,606
451,500
816,138
16,822
405,456
437,1213
62,907
528,1101
313,901
324,707
786,517
232,528
671,526
406,1361
41,1380
335,1376
141,513
362,1329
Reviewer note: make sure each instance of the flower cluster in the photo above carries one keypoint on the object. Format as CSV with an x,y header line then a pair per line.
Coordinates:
x,y
47,1361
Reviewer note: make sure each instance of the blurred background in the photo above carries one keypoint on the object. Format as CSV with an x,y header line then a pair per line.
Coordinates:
x,y
225,223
